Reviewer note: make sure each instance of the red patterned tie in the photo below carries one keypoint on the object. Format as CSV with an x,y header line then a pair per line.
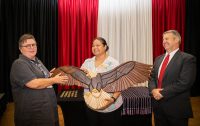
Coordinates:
x,y
162,71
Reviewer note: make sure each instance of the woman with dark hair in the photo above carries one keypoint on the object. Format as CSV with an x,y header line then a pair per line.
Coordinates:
x,y
110,115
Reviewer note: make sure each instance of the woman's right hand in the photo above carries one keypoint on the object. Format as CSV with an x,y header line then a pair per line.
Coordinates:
x,y
89,73
85,70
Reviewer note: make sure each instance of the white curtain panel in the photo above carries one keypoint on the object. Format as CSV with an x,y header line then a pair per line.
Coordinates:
x,y
127,27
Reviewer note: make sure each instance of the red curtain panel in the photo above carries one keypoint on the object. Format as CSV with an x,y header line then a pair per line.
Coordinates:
x,y
166,15
77,27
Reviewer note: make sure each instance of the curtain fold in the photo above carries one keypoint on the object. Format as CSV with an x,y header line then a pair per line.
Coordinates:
x,y
166,15
126,25
77,27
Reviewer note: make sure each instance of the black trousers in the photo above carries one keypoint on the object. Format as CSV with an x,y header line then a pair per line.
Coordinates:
x,y
35,123
104,119
163,120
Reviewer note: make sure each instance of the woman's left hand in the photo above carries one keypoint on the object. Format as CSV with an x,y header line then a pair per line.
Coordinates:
x,y
109,101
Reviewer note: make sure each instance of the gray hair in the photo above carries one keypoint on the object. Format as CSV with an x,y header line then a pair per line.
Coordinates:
x,y
175,33
24,37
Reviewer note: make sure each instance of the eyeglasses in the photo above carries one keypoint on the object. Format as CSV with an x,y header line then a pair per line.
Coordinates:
x,y
30,45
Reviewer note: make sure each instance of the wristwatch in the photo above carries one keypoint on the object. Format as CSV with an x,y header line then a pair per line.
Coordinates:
x,y
114,98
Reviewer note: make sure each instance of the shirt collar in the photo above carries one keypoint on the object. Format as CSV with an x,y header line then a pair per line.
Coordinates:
x,y
172,53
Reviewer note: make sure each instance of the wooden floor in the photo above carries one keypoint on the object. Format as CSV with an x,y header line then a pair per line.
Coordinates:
x,y
7,118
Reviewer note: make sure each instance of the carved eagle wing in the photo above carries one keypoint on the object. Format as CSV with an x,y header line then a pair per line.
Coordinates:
x,y
120,78
124,76
75,75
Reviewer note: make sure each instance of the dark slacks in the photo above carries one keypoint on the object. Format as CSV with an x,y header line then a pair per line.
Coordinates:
x,y
104,119
164,120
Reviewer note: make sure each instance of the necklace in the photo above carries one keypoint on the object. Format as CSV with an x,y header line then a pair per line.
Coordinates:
x,y
99,61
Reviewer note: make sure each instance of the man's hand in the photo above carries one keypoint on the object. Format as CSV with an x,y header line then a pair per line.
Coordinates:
x,y
156,93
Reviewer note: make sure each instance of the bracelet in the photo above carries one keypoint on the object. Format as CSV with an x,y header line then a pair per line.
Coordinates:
x,y
113,98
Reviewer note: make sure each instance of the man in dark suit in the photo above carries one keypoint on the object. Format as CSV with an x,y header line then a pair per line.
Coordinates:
x,y
171,79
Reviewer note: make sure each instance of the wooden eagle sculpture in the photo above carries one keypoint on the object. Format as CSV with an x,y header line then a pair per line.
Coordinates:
x,y
120,78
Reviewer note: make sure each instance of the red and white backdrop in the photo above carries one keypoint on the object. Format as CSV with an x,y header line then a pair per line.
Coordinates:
x,y
132,28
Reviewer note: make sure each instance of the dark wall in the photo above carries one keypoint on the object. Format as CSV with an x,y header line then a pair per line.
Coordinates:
x,y
192,38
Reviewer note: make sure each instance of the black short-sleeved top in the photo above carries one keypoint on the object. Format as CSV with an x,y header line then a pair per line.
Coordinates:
x,y
35,107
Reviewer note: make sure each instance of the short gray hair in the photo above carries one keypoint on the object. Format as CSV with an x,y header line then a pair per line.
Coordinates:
x,y
175,33
24,37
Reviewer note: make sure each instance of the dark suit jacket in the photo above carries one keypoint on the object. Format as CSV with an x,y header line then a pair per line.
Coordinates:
x,y
179,76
